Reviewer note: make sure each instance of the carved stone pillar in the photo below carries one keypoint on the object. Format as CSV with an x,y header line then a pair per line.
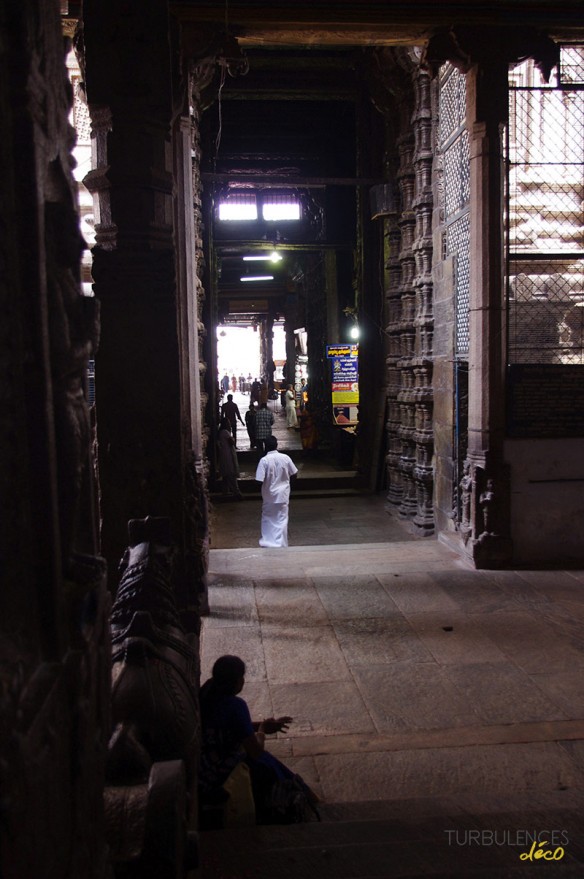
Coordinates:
x,y
487,102
138,369
392,94
318,366
268,352
424,316
407,330
54,603
290,350
187,206
393,306
484,56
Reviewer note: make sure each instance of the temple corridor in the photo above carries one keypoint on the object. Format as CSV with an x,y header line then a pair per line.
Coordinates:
x,y
385,199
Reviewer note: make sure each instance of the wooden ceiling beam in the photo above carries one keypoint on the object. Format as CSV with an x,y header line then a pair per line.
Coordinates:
x,y
344,23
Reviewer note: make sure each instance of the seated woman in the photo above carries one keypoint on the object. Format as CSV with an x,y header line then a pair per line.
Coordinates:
x,y
228,464
229,736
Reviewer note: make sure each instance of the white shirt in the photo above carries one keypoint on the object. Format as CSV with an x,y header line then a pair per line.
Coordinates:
x,y
274,472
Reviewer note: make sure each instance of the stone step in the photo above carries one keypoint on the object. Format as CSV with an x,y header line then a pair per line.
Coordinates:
x,y
319,476
394,839
251,494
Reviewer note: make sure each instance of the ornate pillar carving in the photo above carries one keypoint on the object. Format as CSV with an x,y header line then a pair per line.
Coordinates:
x,y
208,52
393,311
54,603
484,515
407,332
139,405
409,290
423,473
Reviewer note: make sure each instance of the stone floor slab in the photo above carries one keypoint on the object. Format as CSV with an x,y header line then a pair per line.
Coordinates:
x,y
231,601
475,591
303,655
455,737
417,593
500,693
565,689
322,709
413,696
291,602
244,642
531,644
370,642
454,638
447,772
353,597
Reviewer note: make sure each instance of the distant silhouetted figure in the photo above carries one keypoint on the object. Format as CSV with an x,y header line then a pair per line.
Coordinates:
x,y
263,427
250,423
230,411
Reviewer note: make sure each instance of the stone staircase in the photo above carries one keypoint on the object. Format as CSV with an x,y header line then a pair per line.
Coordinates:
x,y
413,838
319,476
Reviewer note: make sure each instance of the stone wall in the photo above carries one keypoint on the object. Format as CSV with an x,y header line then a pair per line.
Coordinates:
x,y
54,640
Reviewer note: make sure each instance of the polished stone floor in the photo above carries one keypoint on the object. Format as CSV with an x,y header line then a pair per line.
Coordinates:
x,y
428,698
430,701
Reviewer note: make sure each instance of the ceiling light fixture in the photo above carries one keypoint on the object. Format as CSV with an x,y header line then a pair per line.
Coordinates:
x,y
263,257
257,278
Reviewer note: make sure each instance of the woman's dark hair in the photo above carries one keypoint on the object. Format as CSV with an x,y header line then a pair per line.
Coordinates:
x,y
228,670
225,677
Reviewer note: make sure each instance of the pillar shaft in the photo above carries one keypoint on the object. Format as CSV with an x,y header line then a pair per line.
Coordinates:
x,y
487,104
138,368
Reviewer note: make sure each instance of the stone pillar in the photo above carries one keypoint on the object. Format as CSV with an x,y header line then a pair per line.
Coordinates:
x,y
487,105
55,656
392,266
424,320
270,350
406,331
190,294
392,93
290,350
332,298
266,330
484,56
318,365
138,368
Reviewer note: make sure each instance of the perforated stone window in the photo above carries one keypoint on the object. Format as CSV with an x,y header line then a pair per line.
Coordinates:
x,y
454,146
545,249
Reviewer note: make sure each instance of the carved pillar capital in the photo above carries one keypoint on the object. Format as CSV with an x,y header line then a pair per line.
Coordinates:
x,y
465,47
208,50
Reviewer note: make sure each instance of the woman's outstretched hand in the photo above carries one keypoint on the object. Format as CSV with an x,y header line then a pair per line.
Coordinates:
x,y
275,724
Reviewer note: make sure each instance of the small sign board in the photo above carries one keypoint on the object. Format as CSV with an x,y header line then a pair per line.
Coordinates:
x,y
344,382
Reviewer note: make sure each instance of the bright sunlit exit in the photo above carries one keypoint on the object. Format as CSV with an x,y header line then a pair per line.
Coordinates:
x,y
238,350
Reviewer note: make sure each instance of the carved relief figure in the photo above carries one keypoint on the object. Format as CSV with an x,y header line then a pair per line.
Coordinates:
x,y
465,500
487,504
155,663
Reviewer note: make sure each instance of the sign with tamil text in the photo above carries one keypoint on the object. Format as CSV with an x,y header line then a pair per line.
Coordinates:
x,y
344,382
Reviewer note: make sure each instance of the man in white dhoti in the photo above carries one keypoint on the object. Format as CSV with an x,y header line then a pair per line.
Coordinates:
x,y
274,471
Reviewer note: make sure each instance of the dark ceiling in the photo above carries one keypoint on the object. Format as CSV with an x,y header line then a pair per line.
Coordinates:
x,y
295,121
287,126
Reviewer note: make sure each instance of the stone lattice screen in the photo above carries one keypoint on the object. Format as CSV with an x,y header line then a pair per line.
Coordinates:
x,y
454,146
545,213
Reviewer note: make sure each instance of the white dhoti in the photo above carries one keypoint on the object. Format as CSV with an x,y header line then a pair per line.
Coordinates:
x,y
274,524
